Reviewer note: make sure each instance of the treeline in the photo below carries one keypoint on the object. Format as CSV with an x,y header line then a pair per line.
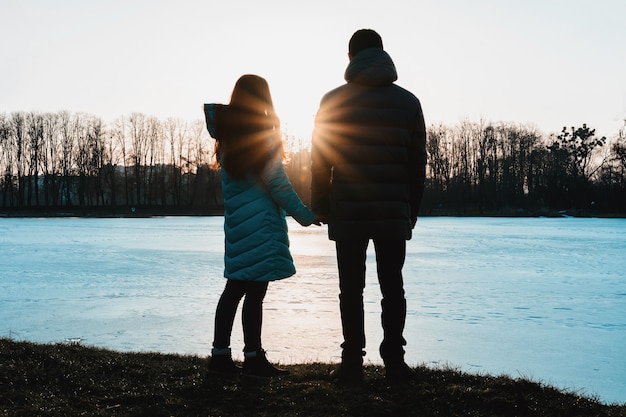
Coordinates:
x,y
64,160
72,161
501,168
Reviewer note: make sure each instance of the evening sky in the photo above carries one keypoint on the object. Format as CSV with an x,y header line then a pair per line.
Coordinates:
x,y
546,63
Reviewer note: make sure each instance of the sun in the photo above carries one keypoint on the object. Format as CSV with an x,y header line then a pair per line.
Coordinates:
x,y
296,120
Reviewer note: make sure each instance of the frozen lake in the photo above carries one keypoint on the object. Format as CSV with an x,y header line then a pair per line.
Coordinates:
x,y
538,298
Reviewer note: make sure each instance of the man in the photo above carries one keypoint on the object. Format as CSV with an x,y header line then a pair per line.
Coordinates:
x,y
368,170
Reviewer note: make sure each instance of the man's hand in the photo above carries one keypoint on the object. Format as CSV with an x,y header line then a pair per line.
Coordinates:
x,y
320,219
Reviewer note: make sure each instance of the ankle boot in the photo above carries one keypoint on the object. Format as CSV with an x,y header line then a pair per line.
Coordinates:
x,y
351,369
396,370
221,362
256,364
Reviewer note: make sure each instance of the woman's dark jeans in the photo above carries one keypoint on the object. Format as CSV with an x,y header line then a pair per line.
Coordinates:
x,y
251,315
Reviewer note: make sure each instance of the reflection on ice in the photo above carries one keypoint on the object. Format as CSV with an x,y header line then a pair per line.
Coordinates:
x,y
540,298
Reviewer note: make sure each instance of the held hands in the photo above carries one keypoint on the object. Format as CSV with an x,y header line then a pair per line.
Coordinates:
x,y
319,219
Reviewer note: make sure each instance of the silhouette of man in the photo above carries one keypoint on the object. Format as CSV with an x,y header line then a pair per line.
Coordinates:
x,y
368,170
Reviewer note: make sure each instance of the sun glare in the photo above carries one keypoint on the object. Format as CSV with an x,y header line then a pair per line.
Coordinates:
x,y
296,122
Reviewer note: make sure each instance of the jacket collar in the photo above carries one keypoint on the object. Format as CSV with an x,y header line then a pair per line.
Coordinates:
x,y
373,67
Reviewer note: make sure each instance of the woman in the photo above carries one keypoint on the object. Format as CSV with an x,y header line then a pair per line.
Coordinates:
x,y
257,193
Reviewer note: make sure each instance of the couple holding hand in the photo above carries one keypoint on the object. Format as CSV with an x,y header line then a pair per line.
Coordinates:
x,y
368,164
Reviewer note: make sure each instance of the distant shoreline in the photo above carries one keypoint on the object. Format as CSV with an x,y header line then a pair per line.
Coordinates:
x,y
147,212
120,212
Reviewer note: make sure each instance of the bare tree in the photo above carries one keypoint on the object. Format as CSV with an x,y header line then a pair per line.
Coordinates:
x,y
96,147
110,164
154,186
68,143
119,137
18,120
33,153
7,161
438,145
51,158
175,132
198,157
138,138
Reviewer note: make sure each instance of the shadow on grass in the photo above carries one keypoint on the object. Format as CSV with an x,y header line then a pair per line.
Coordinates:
x,y
74,380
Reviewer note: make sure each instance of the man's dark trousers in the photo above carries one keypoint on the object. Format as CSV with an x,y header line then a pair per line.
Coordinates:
x,y
390,256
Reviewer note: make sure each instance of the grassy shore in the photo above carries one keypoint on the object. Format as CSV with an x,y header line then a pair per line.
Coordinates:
x,y
75,380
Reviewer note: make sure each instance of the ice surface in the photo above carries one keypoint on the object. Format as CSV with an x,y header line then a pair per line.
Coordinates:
x,y
538,298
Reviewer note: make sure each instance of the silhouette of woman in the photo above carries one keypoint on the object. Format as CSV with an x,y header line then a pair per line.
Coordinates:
x,y
257,193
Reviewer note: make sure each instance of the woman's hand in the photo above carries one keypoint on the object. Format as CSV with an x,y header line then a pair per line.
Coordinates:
x,y
320,219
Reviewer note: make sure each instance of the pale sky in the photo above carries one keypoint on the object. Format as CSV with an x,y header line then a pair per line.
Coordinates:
x,y
547,63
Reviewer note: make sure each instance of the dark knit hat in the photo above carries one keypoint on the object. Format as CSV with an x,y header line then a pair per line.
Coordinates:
x,y
364,39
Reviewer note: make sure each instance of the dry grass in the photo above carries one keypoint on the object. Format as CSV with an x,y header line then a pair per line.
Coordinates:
x,y
74,380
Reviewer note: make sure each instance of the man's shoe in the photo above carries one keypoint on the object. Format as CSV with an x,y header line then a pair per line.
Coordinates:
x,y
256,364
348,374
398,372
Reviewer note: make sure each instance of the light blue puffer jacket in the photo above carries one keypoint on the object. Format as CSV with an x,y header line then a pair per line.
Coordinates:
x,y
255,227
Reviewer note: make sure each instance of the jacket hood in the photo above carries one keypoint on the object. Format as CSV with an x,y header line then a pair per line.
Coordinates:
x,y
210,116
372,67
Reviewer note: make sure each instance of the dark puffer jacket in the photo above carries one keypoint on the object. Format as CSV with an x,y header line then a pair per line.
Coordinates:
x,y
369,153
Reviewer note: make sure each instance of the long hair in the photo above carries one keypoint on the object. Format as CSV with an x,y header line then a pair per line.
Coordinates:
x,y
250,130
